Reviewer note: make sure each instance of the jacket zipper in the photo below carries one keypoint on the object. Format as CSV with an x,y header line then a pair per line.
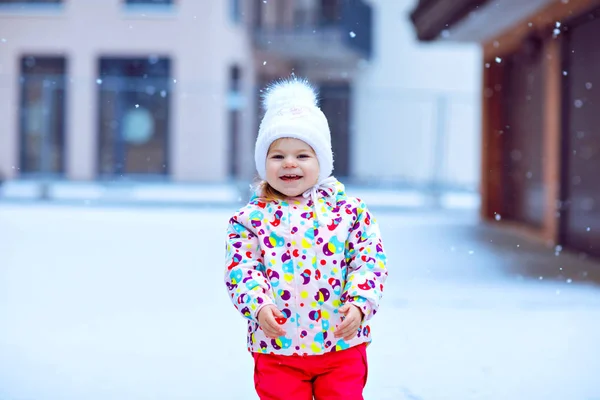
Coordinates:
x,y
296,294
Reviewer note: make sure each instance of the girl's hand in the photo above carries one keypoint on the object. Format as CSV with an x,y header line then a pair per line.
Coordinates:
x,y
352,319
269,319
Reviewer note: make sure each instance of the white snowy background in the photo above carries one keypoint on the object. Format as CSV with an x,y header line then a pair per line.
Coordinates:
x,y
129,303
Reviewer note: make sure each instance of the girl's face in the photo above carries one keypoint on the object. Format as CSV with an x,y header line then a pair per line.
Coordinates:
x,y
292,167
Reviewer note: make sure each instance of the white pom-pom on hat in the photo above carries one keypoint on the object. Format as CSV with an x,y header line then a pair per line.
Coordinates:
x,y
291,111
289,91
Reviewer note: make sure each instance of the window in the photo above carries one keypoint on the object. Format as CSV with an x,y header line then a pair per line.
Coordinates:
x,y
335,101
330,12
134,115
236,11
234,115
42,114
258,14
31,1
31,7
160,2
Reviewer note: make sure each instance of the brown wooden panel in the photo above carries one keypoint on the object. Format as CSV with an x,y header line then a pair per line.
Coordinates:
x,y
491,143
542,23
551,159
524,192
581,228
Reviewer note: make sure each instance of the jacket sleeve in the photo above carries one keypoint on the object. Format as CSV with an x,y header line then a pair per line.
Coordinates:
x,y
366,263
245,274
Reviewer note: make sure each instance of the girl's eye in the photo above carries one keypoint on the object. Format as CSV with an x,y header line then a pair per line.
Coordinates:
x,y
303,156
277,157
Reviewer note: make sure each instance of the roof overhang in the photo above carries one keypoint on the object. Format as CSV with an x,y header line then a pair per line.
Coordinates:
x,y
500,26
432,17
473,20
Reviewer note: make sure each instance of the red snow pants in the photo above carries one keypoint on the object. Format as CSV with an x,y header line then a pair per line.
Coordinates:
x,y
340,375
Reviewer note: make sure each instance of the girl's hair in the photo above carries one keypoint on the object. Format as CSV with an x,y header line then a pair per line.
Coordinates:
x,y
264,190
268,193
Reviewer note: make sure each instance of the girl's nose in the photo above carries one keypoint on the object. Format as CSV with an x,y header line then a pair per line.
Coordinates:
x,y
289,162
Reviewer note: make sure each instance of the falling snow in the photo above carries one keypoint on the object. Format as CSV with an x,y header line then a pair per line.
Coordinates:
x,y
352,34
555,32
557,250
498,60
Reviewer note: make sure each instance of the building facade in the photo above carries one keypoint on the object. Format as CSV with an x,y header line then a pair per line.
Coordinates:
x,y
540,96
147,90
95,90
160,89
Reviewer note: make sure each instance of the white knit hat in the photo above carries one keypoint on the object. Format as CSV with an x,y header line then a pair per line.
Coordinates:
x,y
292,111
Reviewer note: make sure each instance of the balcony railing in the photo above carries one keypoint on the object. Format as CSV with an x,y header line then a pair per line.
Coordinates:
x,y
347,37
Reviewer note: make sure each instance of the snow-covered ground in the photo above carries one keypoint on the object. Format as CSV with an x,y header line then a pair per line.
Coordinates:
x,y
125,303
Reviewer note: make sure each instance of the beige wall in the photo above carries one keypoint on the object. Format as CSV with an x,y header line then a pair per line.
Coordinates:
x,y
198,37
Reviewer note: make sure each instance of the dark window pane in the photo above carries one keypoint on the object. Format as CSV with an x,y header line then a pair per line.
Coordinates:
x,y
31,1
149,1
582,150
236,10
42,114
330,12
234,78
134,115
258,13
522,138
335,103
234,120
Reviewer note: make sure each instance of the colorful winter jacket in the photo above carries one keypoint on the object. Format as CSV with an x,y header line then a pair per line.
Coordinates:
x,y
279,253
